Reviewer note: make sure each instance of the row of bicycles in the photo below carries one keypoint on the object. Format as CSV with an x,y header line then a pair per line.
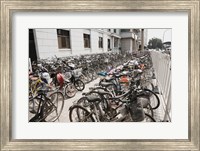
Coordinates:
x,y
124,94
51,81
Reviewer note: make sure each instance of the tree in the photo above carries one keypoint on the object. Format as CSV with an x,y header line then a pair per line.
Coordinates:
x,y
155,43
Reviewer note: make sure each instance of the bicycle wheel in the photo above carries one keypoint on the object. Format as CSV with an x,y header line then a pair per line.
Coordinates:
x,y
94,74
53,106
79,85
149,118
147,85
84,78
153,98
78,113
83,102
37,115
33,105
70,90
89,75
102,109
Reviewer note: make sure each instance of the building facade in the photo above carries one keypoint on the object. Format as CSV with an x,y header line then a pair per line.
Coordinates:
x,y
46,43
129,40
139,38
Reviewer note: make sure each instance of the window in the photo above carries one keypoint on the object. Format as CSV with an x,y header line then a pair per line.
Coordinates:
x,y
86,38
125,30
114,30
115,42
100,42
108,44
108,30
63,38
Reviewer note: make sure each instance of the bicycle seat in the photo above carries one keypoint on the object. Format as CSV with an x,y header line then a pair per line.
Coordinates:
x,y
106,84
93,98
103,92
102,73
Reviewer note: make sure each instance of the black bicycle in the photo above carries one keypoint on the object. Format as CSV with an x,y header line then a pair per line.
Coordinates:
x,y
128,108
47,108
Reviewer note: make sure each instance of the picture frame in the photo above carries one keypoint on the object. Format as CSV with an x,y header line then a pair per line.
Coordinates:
x,y
9,7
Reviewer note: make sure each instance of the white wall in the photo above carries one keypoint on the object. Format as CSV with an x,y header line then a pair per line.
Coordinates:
x,y
126,44
47,42
94,41
105,42
77,44
95,34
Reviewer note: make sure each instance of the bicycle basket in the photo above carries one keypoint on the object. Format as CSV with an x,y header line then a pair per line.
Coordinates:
x,y
136,111
77,72
67,75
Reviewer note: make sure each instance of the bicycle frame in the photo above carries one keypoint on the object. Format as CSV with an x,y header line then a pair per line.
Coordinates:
x,y
33,86
43,100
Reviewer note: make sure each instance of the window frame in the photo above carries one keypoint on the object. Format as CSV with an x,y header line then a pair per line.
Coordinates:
x,y
64,39
87,40
101,42
116,42
109,44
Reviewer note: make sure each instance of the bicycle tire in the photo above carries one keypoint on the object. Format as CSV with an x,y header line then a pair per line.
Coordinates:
x,y
149,117
105,99
150,96
79,85
70,90
101,107
53,102
37,115
78,110
33,105
83,102
89,75
94,74
84,78
147,85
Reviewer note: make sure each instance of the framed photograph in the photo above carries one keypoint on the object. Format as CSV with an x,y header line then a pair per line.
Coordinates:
x,y
99,75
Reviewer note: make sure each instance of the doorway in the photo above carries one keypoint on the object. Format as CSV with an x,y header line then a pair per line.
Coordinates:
x,y
32,48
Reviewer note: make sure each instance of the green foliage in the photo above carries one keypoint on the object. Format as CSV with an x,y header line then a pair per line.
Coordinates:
x,y
155,43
